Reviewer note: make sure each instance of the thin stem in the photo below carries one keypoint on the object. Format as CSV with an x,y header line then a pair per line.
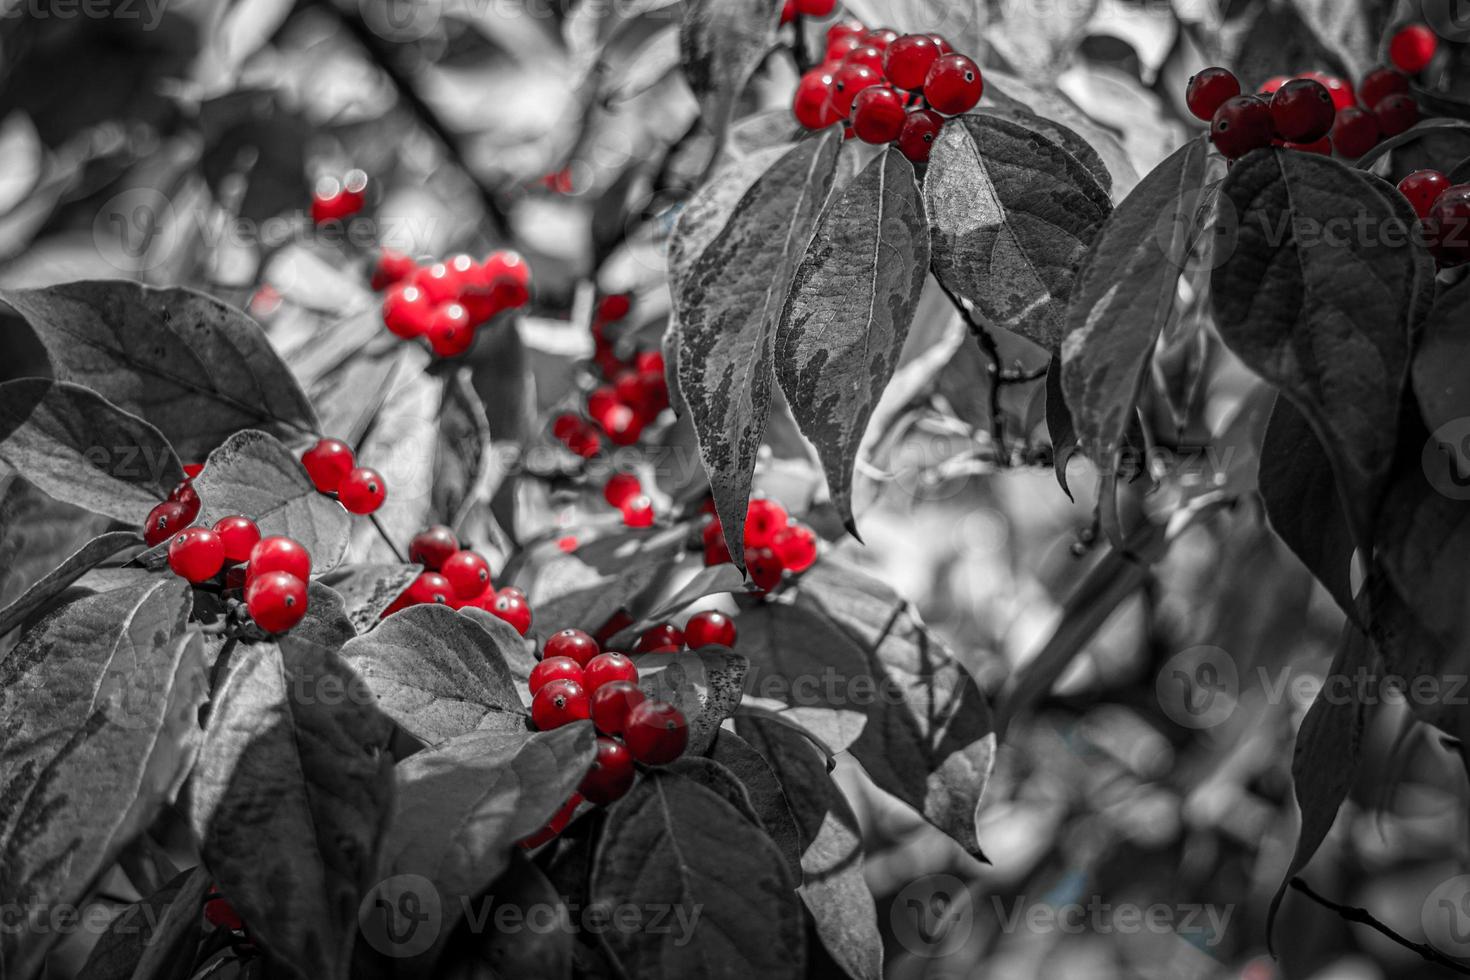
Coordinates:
x,y
799,51
992,370
1367,918
383,533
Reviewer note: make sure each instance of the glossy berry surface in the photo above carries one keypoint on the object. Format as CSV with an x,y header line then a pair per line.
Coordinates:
x,y
709,628
432,546
1354,133
280,554
1380,83
611,704
611,775
866,55
239,536
764,519
1302,111
430,587
392,267
1413,48
554,669
796,546
606,668
638,511
620,487
878,115
847,83
327,463
765,567
921,128
656,733
813,8
954,85
1448,226
276,601
513,609
1396,114
468,573
407,311
1240,125
219,913
660,638
575,644
1422,188
1208,90
559,703
196,554
908,59
164,521
362,491
812,103
450,332
716,549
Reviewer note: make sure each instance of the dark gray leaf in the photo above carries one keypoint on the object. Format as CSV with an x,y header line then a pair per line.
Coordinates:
x,y
1439,381
704,216
723,42
194,367
1059,425
37,532
1067,138
367,590
81,449
532,953
56,581
154,939
767,797
849,311
463,450
727,309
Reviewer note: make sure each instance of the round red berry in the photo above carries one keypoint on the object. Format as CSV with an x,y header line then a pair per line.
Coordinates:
x,y
638,511
555,825
327,463
554,669
1380,83
575,644
656,733
606,668
1396,114
620,487
1341,92
611,775
1208,90
468,573
276,601
279,553
392,267
432,546
509,277
765,568
184,493
838,50
450,332
196,554
407,311
880,37
362,491
1240,125
1302,111
764,518
239,535
611,704
709,628
1422,188
440,282
1354,133
716,550
660,638
796,547
844,29
1412,48
954,85
513,608
812,8
920,129
812,103
429,587
867,55
878,115
908,60
560,702
1448,226
847,83
164,521
219,913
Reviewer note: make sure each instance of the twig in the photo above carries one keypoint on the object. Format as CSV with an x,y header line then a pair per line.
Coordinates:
x,y
383,533
1365,917
386,58
799,52
1023,377
992,369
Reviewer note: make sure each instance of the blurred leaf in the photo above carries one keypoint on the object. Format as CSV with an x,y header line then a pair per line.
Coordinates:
x,y
1442,390
56,581
156,938
463,453
723,42
705,214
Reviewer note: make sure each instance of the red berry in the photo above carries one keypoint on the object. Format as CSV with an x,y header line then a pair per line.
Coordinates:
x,y
407,311
1423,188
865,54
276,601
813,8
196,554
638,511
513,608
432,547
392,267
219,913
1354,133
1448,226
844,29
440,282
559,703
620,487
509,277
1341,92
908,60
362,491
555,825
660,638
468,573
1396,114
647,361
1241,124
164,521
764,519
191,470
184,493
611,775
1380,83
622,425
716,551
607,668
878,115
279,554
788,11
429,587
327,463
1302,111
880,38
954,85
765,568
1322,147
1412,48
812,104
450,332
1270,85
796,547
611,703
575,644
1208,90
710,628
920,129
554,669
239,535
656,733
848,81
839,48
613,307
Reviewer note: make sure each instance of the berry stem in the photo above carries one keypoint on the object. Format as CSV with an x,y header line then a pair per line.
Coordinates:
x,y
799,50
383,533
992,371
1351,914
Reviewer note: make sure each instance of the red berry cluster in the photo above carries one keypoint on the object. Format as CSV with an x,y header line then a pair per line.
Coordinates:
x,y
709,628
889,88
338,200
1444,209
575,680
445,302
459,578
775,543
333,469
